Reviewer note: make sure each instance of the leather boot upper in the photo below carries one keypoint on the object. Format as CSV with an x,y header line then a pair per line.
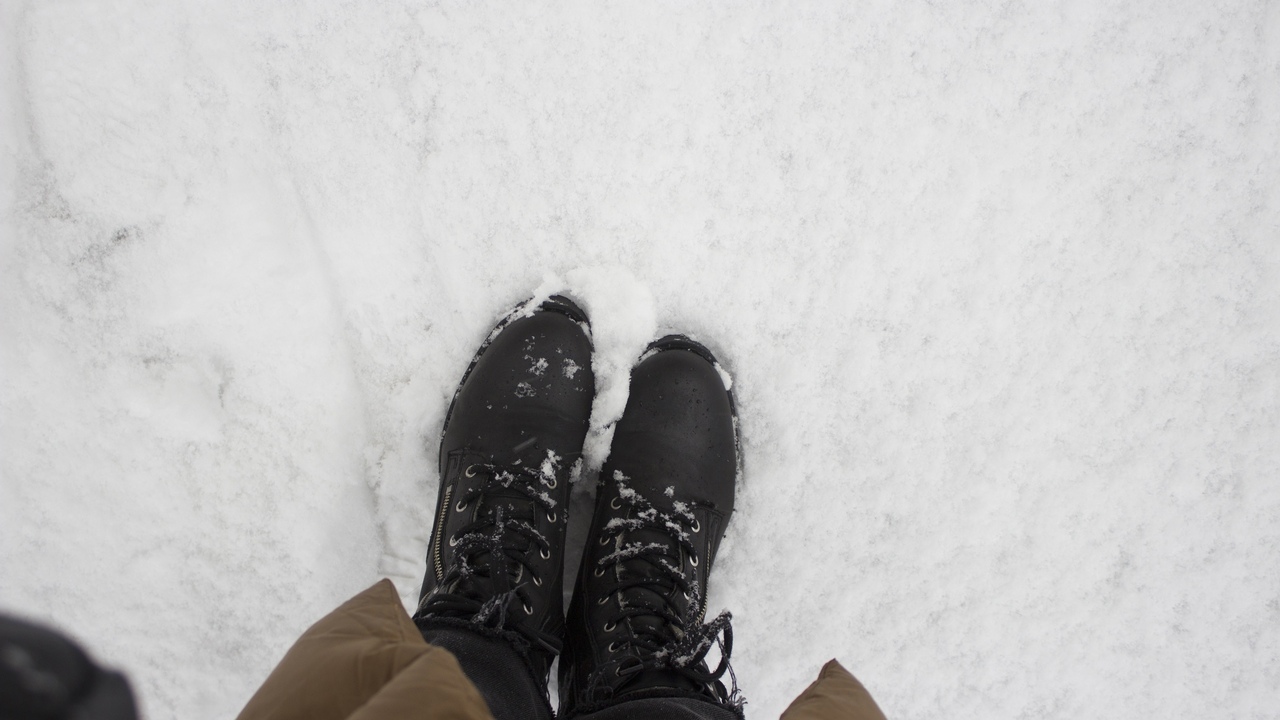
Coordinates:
x,y
511,443
637,622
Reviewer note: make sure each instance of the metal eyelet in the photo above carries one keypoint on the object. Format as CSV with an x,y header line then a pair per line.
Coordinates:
x,y
696,525
459,507
453,541
693,559
613,647
617,671
552,485
528,609
545,553
610,626
599,572
615,504
603,599
687,596
604,539
537,581
551,516
470,471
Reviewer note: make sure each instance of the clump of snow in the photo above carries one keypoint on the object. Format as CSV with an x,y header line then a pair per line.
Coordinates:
x,y
549,467
623,321
539,366
645,513
682,509
725,377
570,368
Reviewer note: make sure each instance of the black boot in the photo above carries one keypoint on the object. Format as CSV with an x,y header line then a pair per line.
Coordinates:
x,y
512,440
636,628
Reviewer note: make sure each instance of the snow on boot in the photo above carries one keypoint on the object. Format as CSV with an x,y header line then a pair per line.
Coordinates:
x,y
511,444
636,627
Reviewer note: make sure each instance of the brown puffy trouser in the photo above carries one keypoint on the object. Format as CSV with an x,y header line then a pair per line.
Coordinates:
x,y
367,661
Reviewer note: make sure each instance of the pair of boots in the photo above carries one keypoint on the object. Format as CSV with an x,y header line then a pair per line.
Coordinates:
x,y
636,639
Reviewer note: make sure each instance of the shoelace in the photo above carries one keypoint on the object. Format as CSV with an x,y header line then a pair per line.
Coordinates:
x,y
492,554
666,637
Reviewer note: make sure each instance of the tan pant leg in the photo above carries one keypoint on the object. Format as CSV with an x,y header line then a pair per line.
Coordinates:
x,y
835,695
366,661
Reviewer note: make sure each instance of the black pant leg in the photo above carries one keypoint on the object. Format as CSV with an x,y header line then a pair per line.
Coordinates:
x,y
496,669
662,709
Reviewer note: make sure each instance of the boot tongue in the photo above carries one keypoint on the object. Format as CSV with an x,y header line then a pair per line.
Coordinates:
x,y
503,495
654,626
650,596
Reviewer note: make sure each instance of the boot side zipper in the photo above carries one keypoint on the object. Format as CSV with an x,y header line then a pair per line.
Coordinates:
x,y
439,538
702,611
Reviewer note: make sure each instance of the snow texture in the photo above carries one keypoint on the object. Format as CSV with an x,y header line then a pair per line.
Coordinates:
x,y
548,469
998,284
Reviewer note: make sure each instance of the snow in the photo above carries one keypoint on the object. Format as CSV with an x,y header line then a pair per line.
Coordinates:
x,y
570,368
998,285
548,469
539,366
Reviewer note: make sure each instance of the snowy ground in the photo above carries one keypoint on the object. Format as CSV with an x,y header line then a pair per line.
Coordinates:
x,y
998,283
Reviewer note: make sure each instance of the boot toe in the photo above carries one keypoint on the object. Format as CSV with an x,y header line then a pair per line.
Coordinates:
x,y
533,380
679,428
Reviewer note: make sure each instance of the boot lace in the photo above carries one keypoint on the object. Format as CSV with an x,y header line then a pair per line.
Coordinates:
x,y
663,635
487,582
